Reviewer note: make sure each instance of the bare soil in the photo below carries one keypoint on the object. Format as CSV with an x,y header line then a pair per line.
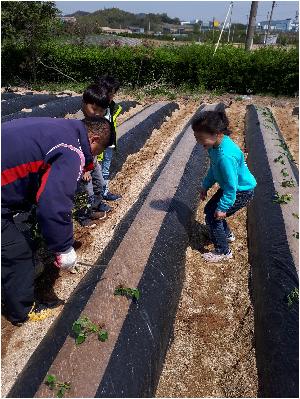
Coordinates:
x,y
212,353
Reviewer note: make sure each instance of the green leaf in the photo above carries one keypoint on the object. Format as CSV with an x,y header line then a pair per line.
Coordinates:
x,y
119,291
93,328
61,392
284,172
136,293
80,338
103,335
76,328
50,381
50,378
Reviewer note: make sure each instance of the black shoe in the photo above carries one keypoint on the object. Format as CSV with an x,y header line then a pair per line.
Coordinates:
x,y
88,223
111,197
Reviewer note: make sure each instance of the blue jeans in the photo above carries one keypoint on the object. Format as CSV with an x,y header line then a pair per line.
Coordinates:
x,y
108,154
219,229
94,189
97,182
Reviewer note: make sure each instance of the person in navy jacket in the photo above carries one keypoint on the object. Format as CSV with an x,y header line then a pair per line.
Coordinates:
x,y
42,161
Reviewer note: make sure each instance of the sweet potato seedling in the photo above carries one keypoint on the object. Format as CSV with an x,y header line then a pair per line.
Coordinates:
x,y
288,183
282,199
284,172
133,293
280,159
84,327
62,387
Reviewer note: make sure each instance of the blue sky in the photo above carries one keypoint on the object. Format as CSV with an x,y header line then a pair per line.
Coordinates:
x,y
186,10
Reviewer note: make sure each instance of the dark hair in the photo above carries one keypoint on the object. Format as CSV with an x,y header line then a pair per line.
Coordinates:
x,y
211,122
109,82
95,124
94,94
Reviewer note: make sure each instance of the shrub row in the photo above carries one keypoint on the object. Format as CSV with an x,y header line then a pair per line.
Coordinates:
x,y
267,70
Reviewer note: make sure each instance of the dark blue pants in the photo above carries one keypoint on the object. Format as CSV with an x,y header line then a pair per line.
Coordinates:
x,y
17,271
219,229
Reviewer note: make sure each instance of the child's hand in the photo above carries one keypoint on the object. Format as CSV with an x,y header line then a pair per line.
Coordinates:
x,y
220,215
87,176
203,194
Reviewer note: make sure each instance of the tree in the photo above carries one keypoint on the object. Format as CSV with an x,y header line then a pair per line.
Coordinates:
x,y
28,23
196,29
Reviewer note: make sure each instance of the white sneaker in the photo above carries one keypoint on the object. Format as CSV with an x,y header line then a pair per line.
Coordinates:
x,y
231,237
215,257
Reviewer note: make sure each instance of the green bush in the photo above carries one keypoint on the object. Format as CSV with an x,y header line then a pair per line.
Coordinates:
x,y
267,70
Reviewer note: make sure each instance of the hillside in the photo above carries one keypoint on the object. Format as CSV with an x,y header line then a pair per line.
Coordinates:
x,y
116,18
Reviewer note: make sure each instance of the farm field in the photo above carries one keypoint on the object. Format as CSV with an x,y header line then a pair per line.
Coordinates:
x,y
212,352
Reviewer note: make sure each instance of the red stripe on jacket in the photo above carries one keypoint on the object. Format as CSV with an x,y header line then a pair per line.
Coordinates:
x,y
18,172
43,183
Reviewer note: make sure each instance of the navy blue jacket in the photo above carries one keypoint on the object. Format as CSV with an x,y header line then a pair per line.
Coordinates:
x,y
42,160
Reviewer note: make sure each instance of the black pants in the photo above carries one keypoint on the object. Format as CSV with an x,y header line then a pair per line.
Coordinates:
x,y
219,229
17,272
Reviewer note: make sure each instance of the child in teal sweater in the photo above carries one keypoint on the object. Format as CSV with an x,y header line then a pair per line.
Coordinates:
x,y
227,168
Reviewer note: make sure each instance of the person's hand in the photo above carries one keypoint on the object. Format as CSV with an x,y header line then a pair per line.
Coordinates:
x,y
220,215
87,176
66,260
203,194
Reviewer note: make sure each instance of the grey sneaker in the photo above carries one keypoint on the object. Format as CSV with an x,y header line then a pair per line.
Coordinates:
x,y
214,257
231,237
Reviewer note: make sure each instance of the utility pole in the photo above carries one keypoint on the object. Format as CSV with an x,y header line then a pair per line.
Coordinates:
x,y
266,29
232,38
251,25
270,20
149,26
230,24
213,29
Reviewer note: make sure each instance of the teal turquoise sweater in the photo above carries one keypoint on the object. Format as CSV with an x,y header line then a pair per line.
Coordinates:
x,y
229,169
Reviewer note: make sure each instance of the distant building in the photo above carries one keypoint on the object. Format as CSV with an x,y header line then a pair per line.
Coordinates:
x,y
106,29
193,22
136,29
170,29
284,25
272,39
71,20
